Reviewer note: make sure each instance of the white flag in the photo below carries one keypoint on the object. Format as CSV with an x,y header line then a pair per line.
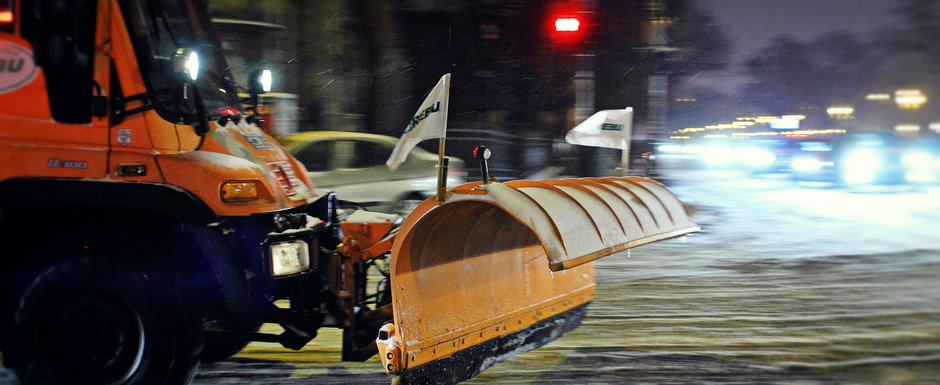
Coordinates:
x,y
607,128
428,123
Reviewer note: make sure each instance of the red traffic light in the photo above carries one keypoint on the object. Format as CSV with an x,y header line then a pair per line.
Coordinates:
x,y
567,24
567,31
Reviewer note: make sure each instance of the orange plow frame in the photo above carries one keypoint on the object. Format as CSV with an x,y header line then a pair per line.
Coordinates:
x,y
502,268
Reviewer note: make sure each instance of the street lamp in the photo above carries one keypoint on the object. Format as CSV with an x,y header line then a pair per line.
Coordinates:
x,y
907,128
840,112
910,99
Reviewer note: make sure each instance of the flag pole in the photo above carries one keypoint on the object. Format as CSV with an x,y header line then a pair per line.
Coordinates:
x,y
625,160
442,162
627,136
441,173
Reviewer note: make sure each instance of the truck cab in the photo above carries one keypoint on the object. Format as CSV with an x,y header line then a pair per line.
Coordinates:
x,y
148,222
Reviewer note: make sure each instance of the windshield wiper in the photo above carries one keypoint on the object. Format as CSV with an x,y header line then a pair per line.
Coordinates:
x,y
156,8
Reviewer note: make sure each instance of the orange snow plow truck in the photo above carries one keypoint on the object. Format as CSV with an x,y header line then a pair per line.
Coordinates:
x,y
148,224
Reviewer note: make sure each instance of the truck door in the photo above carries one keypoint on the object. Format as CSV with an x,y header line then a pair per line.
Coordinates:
x,y
51,75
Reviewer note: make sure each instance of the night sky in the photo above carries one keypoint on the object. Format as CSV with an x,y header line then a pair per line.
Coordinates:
x,y
752,24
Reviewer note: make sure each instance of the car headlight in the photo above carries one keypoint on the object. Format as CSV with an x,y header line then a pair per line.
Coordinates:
x,y
860,166
918,159
862,160
806,164
716,155
920,176
289,257
669,148
756,157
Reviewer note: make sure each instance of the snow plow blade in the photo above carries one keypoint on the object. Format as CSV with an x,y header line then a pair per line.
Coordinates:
x,y
502,268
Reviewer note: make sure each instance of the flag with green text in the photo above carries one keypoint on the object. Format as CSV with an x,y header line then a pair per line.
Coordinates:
x,y
607,128
429,122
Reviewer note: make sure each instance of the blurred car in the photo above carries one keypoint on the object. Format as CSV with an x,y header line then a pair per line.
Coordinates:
x,y
352,164
865,159
813,162
755,156
922,160
764,156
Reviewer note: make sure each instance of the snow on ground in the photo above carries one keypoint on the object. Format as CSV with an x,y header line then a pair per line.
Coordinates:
x,y
786,284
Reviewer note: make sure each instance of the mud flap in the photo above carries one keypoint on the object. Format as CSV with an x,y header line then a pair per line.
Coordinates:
x,y
503,268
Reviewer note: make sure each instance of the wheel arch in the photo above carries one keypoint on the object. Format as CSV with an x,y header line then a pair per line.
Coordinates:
x,y
163,226
169,200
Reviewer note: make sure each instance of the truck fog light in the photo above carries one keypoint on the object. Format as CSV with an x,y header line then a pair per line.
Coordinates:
x,y
289,257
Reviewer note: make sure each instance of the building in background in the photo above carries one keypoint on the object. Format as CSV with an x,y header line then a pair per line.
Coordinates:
x,y
365,66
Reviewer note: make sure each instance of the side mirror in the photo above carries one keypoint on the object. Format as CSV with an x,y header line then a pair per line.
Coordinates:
x,y
181,90
258,82
186,71
99,102
186,64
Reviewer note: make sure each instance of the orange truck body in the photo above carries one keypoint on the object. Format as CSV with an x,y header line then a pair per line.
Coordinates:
x,y
106,173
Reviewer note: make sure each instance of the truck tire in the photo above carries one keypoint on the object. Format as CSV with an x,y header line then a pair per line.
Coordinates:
x,y
100,321
219,346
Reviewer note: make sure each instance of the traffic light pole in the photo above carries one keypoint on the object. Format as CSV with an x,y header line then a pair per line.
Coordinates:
x,y
657,42
584,91
583,83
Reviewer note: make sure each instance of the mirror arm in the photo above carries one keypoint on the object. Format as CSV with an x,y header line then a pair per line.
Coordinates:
x,y
202,123
251,102
120,113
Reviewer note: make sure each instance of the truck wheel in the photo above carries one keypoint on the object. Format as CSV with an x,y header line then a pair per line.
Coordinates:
x,y
97,321
219,346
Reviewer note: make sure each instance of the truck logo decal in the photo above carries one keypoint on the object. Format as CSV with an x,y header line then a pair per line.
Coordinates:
x,y
257,141
17,67
124,136
59,163
611,127
288,187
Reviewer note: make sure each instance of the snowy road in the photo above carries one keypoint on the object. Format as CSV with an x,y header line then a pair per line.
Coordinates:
x,y
786,284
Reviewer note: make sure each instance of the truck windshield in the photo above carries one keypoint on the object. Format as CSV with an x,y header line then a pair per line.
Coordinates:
x,y
158,28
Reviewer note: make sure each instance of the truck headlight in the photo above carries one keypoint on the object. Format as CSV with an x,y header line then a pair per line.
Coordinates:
x,y
289,257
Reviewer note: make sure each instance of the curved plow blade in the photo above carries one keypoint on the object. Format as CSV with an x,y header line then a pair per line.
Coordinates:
x,y
503,268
